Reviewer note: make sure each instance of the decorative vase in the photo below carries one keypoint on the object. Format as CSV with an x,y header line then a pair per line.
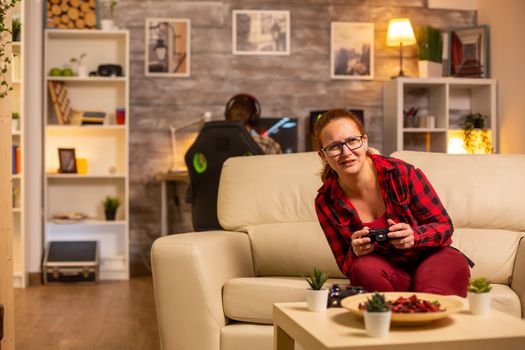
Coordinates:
x,y
15,125
479,303
83,71
377,324
429,69
107,24
110,214
317,300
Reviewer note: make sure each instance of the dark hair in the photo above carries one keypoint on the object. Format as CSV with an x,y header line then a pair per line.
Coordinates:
x,y
322,122
244,108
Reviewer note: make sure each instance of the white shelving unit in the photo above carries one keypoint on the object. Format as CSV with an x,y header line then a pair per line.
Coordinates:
x,y
18,136
105,147
447,99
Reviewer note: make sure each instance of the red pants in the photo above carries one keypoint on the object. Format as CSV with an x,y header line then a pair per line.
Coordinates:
x,y
445,272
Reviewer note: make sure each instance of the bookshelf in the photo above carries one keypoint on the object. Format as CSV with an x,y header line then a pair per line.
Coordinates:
x,y
103,145
18,154
447,99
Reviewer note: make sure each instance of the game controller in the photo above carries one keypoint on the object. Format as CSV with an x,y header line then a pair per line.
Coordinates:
x,y
379,235
338,293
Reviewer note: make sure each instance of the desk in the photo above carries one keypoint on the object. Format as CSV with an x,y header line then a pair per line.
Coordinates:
x,y
178,177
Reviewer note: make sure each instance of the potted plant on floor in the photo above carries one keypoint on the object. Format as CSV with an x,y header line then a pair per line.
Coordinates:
x,y
475,134
316,295
430,45
479,296
377,313
111,205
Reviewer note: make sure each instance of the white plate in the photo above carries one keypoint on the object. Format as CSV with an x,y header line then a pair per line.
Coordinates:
x,y
450,304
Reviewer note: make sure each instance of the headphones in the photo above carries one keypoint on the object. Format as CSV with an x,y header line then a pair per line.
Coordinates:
x,y
242,98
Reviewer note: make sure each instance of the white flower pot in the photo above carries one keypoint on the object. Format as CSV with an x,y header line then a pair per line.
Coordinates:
x,y
107,24
15,125
83,72
479,303
317,300
429,69
377,324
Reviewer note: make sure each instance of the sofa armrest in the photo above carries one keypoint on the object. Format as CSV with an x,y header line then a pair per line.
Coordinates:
x,y
518,275
189,271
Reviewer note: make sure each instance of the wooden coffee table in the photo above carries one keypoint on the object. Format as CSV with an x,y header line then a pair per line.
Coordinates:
x,y
338,329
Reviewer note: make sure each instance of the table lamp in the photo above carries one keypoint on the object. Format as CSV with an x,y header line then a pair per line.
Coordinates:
x,y
400,33
206,117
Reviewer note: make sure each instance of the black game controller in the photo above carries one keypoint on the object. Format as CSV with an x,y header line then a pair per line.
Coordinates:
x,y
378,235
338,293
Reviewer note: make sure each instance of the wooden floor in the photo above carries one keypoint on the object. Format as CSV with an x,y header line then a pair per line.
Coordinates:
x,y
107,315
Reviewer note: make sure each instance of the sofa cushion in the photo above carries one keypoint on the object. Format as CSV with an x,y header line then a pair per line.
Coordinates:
x,y
301,247
505,299
493,251
251,299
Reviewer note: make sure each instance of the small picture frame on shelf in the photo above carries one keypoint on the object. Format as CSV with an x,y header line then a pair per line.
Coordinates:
x,y
352,50
168,52
260,32
67,160
468,52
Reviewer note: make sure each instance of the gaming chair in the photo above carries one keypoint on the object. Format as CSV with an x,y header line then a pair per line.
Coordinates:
x,y
216,142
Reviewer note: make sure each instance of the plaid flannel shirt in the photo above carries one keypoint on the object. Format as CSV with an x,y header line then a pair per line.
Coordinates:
x,y
409,197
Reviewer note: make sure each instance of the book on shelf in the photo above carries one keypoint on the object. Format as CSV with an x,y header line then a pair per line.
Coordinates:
x,y
16,167
92,118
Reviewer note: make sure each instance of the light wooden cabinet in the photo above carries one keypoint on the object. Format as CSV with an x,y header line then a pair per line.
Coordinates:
x,y
103,148
447,100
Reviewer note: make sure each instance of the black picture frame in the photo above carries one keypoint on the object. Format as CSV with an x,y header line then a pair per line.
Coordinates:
x,y
468,52
67,160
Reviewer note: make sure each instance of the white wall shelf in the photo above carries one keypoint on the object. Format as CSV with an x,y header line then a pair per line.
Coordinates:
x,y
448,100
105,147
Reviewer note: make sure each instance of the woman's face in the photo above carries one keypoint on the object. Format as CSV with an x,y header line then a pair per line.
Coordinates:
x,y
340,157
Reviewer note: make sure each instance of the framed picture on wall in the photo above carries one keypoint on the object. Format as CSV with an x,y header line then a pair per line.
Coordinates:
x,y
468,52
67,161
167,47
257,32
352,50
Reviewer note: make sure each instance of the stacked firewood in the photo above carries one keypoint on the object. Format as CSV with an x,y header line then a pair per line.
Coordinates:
x,y
71,14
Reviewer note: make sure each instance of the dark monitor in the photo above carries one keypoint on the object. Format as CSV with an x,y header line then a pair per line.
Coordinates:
x,y
314,115
283,130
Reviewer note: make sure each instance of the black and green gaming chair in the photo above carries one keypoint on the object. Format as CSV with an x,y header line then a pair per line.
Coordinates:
x,y
216,142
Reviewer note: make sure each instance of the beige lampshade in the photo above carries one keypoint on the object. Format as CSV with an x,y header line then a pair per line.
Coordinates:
x,y
400,32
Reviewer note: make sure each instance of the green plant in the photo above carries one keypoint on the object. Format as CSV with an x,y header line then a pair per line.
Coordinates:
x,y
473,126
316,279
111,203
5,58
479,285
112,5
430,44
78,60
16,27
377,303
15,115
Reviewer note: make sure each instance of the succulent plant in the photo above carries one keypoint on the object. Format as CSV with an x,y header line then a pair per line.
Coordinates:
x,y
316,279
111,203
377,303
479,285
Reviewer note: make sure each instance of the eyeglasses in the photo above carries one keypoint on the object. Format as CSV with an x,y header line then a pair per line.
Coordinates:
x,y
335,149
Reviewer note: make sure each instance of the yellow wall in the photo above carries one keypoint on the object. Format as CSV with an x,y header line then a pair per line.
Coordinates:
x,y
507,54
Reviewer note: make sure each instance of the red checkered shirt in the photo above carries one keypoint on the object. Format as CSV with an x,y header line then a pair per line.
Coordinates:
x,y
409,197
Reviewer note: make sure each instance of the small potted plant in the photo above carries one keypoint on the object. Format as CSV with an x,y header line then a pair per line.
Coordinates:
x,y
377,313
16,27
82,70
430,45
479,296
111,205
316,295
15,122
475,134
109,23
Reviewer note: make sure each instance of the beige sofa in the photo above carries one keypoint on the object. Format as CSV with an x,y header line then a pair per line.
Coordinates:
x,y
214,290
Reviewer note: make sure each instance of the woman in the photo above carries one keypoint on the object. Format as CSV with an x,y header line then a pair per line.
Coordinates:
x,y
362,191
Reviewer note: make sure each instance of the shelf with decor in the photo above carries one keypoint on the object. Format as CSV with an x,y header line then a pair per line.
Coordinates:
x,y
86,119
427,114
19,141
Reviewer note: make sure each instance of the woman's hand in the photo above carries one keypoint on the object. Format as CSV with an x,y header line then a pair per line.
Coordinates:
x,y
401,235
361,242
